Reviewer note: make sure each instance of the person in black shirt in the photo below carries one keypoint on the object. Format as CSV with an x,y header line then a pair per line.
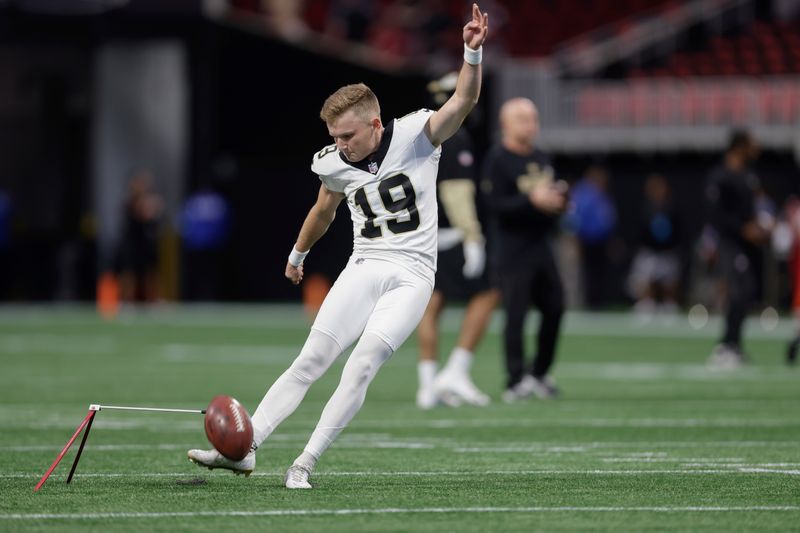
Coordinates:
x,y
524,202
731,191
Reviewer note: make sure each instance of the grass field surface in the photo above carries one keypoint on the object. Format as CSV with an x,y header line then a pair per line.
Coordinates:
x,y
644,437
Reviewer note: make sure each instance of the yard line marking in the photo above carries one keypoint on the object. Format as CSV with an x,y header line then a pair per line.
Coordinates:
x,y
380,440
398,510
633,472
670,422
770,471
587,422
692,461
539,448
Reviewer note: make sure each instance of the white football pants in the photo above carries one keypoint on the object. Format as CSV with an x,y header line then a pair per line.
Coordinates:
x,y
375,299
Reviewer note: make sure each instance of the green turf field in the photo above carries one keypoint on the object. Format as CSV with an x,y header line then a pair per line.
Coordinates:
x,y
645,437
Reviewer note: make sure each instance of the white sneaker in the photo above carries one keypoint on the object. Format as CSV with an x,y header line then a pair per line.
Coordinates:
x,y
725,357
297,477
543,388
528,386
459,389
426,398
212,459
521,391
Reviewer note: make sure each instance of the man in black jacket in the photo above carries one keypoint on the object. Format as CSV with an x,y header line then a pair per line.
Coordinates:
x,y
731,191
524,203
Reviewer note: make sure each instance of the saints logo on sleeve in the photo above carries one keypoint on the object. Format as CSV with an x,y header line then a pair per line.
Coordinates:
x,y
391,194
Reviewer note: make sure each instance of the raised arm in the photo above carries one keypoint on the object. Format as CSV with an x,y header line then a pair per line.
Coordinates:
x,y
446,121
317,221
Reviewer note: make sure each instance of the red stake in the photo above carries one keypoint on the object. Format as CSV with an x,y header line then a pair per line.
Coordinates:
x,y
61,455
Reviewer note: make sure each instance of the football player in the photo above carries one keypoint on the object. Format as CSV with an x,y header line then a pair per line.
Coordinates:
x,y
461,274
388,177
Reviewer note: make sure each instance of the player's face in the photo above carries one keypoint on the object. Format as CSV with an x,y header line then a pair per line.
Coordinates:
x,y
355,137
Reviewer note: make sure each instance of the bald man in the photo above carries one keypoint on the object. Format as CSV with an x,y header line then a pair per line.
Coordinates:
x,y
525,202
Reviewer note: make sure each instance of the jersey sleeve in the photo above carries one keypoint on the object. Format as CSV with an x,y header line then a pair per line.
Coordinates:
x,y
412,126
323,165
416,120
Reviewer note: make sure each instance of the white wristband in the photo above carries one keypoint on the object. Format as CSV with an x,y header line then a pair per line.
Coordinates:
x,y
296,258
473,57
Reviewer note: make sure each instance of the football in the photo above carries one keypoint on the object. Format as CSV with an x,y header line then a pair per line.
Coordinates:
x,y
228,427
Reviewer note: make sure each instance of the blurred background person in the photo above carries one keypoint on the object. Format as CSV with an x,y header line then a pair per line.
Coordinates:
x,y
731,192
655,272
525,204
138,258
461,273
593,219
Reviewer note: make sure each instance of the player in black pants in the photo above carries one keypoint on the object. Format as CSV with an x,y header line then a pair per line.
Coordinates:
x,y
731,192
460,276
524,202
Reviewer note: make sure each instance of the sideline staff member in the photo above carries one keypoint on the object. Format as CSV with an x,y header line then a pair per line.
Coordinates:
x,y
524,203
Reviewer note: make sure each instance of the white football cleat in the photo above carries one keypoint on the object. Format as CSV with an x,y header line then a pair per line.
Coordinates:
x,y
455,390
426,398
297,477
212,459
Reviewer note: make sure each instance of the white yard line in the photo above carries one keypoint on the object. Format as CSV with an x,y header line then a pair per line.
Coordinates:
x,y
591,422
396,510
381,440
745,469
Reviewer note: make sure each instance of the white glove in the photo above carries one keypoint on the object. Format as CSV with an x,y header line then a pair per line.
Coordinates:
x,y
474,259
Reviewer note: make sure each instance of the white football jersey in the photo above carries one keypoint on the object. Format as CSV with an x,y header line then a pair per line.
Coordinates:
x,y
391,194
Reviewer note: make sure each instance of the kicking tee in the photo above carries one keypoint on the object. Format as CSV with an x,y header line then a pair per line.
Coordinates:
x,y
391,194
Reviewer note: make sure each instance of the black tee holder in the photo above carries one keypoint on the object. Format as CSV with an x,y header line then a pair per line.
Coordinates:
x,y
87,425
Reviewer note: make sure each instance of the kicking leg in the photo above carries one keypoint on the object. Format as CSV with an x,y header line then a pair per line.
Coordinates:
x,y
362,366
317,355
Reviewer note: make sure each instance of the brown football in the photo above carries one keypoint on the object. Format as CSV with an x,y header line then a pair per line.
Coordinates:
x,y
228,427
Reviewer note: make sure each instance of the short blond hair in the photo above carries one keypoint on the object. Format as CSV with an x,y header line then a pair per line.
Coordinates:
x,y
357,97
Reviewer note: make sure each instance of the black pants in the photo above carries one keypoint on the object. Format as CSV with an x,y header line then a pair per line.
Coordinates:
x,y
738,269
534,281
